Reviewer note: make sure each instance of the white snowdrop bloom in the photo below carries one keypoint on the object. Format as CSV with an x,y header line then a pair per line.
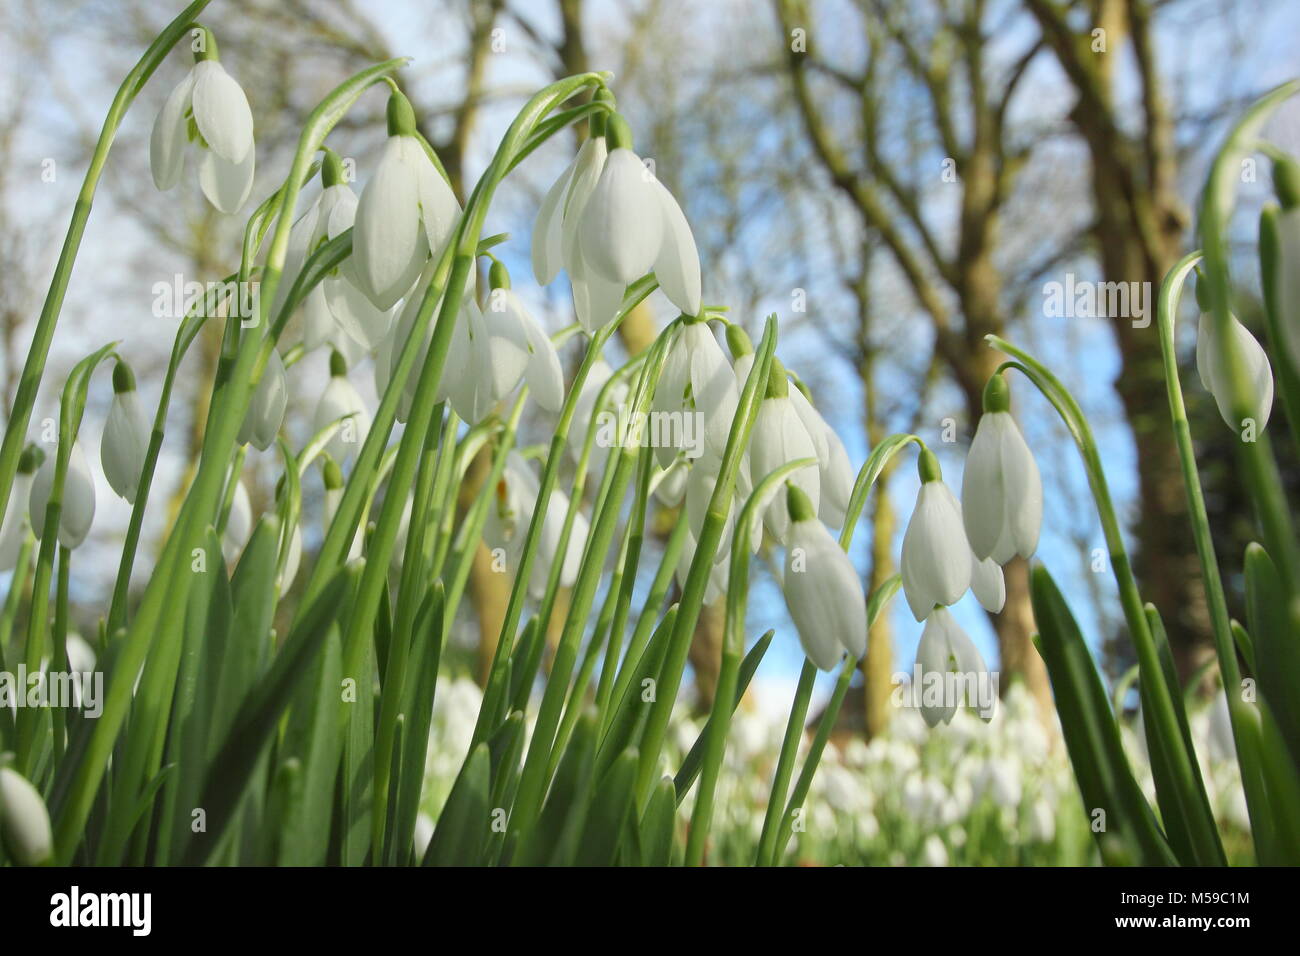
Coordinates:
x,y
332,477
1212,365
945,649
125,442
239,524
1001,490
24,820
630,224
697,379
822,588
487,358
336,312
511,513
669,485
936,560
988,584
78,509
778,438
832,462
266,408
541,370
1000,781
16,523
933,852
292,560
556,229
207,108
406,212
341,400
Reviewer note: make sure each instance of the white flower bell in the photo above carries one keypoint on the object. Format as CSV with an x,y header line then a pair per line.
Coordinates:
x,y
406,212
950,668
936,560
832,461
24,820
778,438
341,400
696,380
16,524
210,109
1001,490
78,509
266,407
125,442
988,584
542,371
239,524
1212,365
822,588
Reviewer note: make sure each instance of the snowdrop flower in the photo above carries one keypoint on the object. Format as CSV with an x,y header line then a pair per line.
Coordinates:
x,y
266,408
332,477
335,312
207,108
936,564
1001,490
778,438
988,584
125,441
239,524
292,560
697,379
1212,365
716,586
24,821
542,371
14,527
631,224
822,588
341,400
508,519
487,359
946,649
832,461
78,509
933,852
406,212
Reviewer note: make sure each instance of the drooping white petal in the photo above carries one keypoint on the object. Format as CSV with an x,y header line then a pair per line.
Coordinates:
x,y
24,820
170,136
266,408
988,584
1023,487
622,223
1002,491
292,560
389,244
824,595
355,314
778,439
670,485
935,564
439,209
226,184
596,301
1212,364
677,266
340,399
547,230
221,112
837,479
239,524
543,373
78,509
713,386
125,442
587,167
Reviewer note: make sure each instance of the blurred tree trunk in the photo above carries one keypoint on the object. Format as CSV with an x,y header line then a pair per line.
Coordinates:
x,y
1139,231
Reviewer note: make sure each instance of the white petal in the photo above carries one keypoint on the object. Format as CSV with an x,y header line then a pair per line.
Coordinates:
x,y
341,398
124,444
982,488
221,112
1212,364
988,584
622,223
837,481
824,595
1023,491
547,230
587,167
13,529
778,439
677,267
596,301
24,820
935,565
713,386
266,408
355,314
78,509
169,138
389,245
226,184
439,210
544,375
239,524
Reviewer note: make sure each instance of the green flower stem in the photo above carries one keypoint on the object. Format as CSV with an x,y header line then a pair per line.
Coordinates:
x,y
34,366
532,781
185,336
59,663
1258,463
168,589
1270,266
519,592
697,578
733,651
1164,719
645,624
789,754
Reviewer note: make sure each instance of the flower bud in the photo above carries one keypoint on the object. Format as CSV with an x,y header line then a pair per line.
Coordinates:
x,y
125,442
936,561
24,821
78,508
266,408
